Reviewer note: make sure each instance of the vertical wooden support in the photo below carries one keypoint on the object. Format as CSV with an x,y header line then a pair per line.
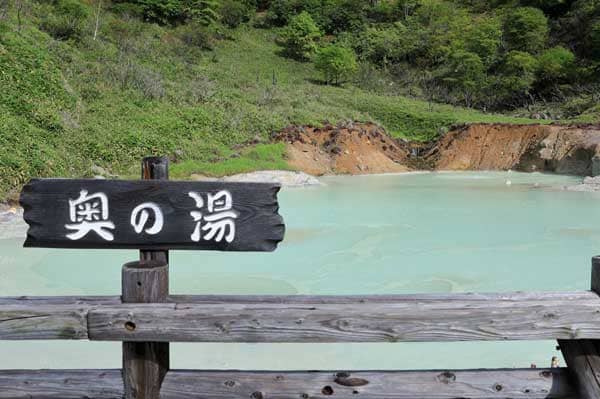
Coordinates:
x,y
145,364
583,355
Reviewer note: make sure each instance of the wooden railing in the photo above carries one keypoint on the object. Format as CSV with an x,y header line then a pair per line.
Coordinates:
x,y
573,318
146,318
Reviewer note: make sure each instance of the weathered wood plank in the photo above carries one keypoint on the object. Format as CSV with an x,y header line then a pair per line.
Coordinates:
x,y
583,356
61,384
28,322
145,364
402,319
583,359
315,299
188,384
480,384
151,214
311,318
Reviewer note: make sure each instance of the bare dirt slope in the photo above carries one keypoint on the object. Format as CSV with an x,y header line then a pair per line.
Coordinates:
x,y
345,148
529,148
361,148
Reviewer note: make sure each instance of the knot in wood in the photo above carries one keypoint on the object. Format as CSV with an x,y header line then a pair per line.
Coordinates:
x,y
327,390
350,381
446,377
546,374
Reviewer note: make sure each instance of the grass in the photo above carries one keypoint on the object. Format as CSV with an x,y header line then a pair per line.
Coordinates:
x,y
259,157
67,106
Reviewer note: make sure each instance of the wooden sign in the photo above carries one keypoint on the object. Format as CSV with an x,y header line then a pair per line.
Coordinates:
x,y
152,214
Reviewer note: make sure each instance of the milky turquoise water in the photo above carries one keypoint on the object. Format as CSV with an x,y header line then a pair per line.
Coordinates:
x,y
395,234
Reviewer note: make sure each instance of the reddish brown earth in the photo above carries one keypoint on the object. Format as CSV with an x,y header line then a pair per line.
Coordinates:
x,y
345,148
528,148
361,148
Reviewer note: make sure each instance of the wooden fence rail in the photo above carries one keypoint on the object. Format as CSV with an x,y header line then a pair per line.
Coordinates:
x,y
186,384
460,317
146,318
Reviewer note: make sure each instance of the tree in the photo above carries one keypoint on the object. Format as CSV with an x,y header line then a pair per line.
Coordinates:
x,y
516,78
380,45
336,63
466,75
407,7
97,18
282,11
555,64
203,12
234,12
345,15
165,12
484,39
595,41
526,29
300,36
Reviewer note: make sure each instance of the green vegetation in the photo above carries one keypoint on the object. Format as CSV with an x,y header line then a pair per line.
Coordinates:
x,y
465,52
300,36
94,83
336,63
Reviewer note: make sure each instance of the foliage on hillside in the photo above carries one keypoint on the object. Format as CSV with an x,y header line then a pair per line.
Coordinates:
x,y
500,55
90,85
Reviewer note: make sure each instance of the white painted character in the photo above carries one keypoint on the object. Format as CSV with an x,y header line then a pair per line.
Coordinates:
x,y
220,219
89,213
141,214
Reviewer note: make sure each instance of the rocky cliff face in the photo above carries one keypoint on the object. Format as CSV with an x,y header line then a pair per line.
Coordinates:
x,y
357,148
528,148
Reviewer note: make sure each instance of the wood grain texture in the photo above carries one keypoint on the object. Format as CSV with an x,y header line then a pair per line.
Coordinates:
x,y
583,359
145,364
583,356
55,321
258,226
430,317
61,384
155,168
29,318
480,384
510,317
188,384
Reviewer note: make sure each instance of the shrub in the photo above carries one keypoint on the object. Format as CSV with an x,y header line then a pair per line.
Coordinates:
x,y
300,36
382,46
233,13
200,89
130,75
345,15
177,11
526,29
466,75
595,40
336,63
516,78
66,21
484,39
281,12
196,35
555,64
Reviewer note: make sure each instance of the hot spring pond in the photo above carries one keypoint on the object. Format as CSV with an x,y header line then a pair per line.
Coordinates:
x,y
389,234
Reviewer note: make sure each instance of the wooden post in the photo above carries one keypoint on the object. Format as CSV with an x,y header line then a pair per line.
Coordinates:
x,y
145,364
155,168
583,355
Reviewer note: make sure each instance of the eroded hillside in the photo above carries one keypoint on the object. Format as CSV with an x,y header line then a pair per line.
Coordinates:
x,y
358,148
